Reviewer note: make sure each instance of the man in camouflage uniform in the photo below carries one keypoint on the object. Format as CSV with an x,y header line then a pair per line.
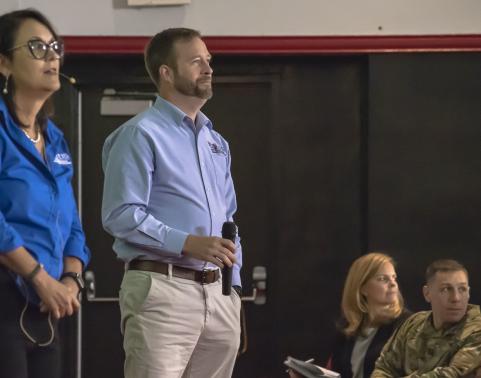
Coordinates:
x,y
444,342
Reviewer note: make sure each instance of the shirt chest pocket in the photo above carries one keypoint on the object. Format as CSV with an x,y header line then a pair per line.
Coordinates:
x,y
219,169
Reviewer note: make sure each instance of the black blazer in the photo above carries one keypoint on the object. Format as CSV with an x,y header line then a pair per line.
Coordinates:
x,y
343,345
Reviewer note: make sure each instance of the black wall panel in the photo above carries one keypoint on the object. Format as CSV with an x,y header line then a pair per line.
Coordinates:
x,y
425,163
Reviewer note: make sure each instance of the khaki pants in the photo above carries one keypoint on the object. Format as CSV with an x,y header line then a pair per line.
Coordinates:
x,y
176,328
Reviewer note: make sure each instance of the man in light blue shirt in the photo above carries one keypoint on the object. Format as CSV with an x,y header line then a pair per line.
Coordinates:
x,y
167,192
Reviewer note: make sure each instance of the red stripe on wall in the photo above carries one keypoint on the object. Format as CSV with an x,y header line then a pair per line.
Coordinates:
x,y
289,45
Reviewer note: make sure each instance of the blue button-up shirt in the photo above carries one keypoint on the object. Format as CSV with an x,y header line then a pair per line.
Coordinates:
x,y
37,204
167,177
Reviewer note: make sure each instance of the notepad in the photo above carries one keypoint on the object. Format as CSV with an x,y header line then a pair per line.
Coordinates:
x,y
308,369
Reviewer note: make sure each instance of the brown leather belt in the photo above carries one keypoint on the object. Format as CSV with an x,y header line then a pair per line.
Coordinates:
x,y
202,276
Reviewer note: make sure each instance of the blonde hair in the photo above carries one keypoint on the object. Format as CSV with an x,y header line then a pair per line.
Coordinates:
x,y
354,305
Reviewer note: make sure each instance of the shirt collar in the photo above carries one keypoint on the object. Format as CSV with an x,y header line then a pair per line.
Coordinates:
x,y
51,134
178,116
453,329
3,108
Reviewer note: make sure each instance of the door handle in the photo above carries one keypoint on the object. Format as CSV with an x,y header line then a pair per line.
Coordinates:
x,y
259,286
89,279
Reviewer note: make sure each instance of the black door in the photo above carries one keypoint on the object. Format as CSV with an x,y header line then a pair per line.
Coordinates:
x,y
247,132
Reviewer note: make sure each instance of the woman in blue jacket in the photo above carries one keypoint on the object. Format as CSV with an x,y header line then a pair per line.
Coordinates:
x,y
42,245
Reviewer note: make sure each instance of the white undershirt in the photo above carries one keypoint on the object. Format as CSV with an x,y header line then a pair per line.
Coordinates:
x,y
363,340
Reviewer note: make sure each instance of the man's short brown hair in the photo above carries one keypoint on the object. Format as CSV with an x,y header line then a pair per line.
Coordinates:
x,y
444,265
160,49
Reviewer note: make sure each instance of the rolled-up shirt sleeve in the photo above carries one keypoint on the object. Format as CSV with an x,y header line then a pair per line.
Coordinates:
x,y
9,238
75,246
128,164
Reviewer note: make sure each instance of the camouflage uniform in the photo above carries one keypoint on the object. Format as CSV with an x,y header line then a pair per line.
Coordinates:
x,y
417,349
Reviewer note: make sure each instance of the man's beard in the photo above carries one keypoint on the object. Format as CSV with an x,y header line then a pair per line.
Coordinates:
x,y
190,88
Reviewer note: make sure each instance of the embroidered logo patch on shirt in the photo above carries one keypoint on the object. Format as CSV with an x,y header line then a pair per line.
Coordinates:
x,y
216,149
62,159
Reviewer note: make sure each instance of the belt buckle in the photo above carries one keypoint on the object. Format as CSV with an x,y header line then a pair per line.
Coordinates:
x,y
203,277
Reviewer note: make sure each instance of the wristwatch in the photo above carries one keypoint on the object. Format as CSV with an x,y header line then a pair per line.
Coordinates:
x,y
77,277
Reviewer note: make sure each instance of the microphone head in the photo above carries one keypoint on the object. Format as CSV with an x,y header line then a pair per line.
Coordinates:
x,y
229,230
70,79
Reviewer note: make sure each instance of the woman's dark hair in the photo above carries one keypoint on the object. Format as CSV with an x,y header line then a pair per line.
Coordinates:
x,y
10,24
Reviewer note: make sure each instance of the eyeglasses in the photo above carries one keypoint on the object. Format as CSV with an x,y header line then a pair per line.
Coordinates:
x,y
39,49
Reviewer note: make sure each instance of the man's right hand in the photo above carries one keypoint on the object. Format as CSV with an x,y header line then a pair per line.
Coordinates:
x,y
210,248
58,299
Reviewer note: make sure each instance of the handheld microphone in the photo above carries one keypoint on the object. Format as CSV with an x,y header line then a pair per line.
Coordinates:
x,y
229,231
70,79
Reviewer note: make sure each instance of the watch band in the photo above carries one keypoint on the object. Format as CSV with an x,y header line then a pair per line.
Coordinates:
x,y
77,277
34,272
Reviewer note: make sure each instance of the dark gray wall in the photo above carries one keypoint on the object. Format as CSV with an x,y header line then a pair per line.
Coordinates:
x,y
425,163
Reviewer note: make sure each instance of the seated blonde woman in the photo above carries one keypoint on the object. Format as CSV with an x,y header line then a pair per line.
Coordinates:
x,y
372,309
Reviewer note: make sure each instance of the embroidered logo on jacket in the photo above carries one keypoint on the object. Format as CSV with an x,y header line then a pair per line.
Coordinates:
x,y
62,159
